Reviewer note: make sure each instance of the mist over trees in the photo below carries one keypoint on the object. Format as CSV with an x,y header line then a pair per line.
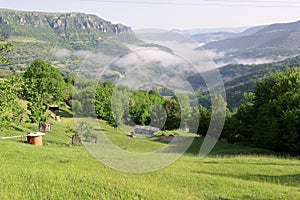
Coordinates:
x,y
268,118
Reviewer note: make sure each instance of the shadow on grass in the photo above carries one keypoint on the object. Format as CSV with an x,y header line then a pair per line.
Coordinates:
x,y
17,128
287,180
65,114
249,163
50,142
195,146
223,148
158,139
99,129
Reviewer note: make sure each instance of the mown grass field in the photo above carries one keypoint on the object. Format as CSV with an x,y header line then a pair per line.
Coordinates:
x,y
60,170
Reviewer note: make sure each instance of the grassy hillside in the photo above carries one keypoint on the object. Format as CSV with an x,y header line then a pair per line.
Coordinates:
x,y
59,170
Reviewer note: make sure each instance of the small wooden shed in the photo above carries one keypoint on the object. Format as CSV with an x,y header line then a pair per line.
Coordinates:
x,y
54,109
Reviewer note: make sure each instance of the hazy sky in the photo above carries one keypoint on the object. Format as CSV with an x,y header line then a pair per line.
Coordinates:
x,y
173,14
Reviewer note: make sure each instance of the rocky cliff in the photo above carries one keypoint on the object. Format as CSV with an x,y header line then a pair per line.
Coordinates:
x,y
66,26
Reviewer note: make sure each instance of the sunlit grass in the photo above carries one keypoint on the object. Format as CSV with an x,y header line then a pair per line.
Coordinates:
x,y
60,170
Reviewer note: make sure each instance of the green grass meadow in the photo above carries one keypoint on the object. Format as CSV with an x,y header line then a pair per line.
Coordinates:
x,y
60,170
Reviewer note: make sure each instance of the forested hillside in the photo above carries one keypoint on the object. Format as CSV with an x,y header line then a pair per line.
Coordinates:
x,y
240,78
269,117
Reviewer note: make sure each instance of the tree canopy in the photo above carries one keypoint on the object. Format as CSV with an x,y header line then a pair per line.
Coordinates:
x,y
10,108
271,117
43,79
5,48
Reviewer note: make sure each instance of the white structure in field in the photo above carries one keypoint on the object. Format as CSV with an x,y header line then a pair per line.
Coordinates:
x,y
146,130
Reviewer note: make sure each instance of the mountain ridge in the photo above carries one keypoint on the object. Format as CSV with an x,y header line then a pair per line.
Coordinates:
x,y
61,23
275,40
42,34
222,35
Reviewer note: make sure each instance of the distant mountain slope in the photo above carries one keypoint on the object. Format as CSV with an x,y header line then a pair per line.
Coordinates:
x,y
250,31
217,36
270,42
70,27
190,32
209,37
51,36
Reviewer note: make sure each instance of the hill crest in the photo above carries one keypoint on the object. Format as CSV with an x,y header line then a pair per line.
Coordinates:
x,y
62,24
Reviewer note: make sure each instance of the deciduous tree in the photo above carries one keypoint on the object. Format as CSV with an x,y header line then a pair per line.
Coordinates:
x,y
43,79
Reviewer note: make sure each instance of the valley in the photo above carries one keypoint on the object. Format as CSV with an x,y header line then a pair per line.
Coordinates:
x,y
224,104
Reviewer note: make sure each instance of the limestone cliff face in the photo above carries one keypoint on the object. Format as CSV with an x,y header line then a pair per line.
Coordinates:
x,y
68,26
85,22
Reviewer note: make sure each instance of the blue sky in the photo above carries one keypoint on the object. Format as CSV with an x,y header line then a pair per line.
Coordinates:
x,y
176,14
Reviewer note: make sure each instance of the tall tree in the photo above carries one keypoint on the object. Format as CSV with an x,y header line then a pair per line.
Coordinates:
x,y
139,107
186,110
157,114
199,120
10,108
270,118
205,116
37,109
277,101
5,48
173,113
103,97
43,79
